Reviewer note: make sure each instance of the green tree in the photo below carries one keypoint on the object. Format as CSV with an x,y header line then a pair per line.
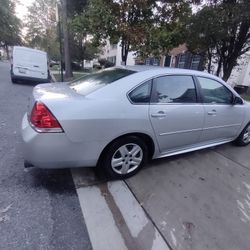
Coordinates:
x,y
147,26
83,46
41,27
126,20
167,30
10,25
221,30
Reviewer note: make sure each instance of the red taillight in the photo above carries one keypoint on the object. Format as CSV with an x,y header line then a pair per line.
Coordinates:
x,y
42,119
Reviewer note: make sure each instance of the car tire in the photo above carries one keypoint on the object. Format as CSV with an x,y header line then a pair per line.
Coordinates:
x,y
124,157
13,80
244,138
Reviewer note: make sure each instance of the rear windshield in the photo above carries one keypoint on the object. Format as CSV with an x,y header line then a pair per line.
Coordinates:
x,y
91,82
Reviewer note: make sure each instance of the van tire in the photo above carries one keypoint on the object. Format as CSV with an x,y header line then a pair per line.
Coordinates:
x,y
13,80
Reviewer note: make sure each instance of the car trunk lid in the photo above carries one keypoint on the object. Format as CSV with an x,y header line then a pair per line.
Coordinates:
x,y
51,92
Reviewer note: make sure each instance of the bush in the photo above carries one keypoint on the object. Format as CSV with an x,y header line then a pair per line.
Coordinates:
x,y
75,66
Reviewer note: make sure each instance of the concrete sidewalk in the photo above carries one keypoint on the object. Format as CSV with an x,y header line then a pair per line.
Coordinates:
x,y
195,201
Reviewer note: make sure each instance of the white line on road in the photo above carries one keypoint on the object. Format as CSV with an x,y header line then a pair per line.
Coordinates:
x,y
114,218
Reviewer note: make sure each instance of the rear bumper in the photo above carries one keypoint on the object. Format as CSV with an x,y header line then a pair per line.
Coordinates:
x,y
29,79
55,150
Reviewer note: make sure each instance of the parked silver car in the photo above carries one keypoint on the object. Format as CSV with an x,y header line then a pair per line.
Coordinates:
x,y
120,117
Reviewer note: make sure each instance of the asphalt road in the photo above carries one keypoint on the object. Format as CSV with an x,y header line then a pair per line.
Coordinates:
x,y
39,209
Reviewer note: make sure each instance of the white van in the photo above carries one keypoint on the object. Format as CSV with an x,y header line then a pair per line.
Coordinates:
x,y
29,64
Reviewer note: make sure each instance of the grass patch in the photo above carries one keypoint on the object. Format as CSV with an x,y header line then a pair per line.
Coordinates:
x,y
78,75
246,97
55,67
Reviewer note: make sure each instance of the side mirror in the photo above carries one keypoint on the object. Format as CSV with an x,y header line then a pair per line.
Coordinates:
x,y
237,100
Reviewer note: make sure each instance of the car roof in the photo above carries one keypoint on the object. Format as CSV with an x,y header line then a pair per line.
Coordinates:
x,y
156,70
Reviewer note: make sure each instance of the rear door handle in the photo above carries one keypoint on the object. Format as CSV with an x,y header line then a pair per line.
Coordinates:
x,y
159,114
212,112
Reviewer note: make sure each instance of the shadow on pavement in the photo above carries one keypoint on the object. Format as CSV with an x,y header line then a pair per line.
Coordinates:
x,y
55,181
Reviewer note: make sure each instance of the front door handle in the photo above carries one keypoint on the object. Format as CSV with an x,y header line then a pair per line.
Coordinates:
x,y
159,114
212,112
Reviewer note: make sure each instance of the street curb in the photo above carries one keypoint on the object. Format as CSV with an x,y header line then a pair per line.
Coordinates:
x,y
114,218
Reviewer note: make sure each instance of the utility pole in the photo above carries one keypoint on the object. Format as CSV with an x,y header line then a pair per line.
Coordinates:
x,y
58,19
68,70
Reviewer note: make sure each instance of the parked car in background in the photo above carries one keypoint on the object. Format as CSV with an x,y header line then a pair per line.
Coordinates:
x,y
119,117
29,65
54,63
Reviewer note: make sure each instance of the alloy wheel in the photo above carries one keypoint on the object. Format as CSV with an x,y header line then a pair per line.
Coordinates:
x,y
246,135
127,158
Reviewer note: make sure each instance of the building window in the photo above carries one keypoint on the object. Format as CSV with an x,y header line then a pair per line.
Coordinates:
x,y
156,62
152,61
147,61
112,59
167,61
182,60
195,62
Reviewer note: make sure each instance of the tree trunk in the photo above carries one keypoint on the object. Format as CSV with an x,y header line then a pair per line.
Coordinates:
x,y
68,69
7,51
83,55
125,48
219,66
209,56
227,70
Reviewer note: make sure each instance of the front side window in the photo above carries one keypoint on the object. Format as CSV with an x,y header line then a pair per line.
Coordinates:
x,y
141,94
214,92
91,82
174,89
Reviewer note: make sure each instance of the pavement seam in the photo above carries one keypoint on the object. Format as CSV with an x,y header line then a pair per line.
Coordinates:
x,y
241,165
149,217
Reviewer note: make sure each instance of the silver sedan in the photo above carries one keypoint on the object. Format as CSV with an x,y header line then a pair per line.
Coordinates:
x,y
119,118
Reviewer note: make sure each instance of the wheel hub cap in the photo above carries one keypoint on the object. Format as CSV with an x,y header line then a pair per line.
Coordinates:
x,y
127,158
246,136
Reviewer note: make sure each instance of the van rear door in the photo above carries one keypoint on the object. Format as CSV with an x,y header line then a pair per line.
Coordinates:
x,y
30,63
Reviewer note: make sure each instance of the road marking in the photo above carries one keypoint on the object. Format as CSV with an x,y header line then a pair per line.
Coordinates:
x,y
114,218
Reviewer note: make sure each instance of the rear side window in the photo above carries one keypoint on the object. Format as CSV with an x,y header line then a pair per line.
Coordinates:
x,y
214,92
91,82
174,89
141,94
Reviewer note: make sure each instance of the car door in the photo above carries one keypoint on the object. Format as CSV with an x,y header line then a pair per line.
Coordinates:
x,y
176,116
222,119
